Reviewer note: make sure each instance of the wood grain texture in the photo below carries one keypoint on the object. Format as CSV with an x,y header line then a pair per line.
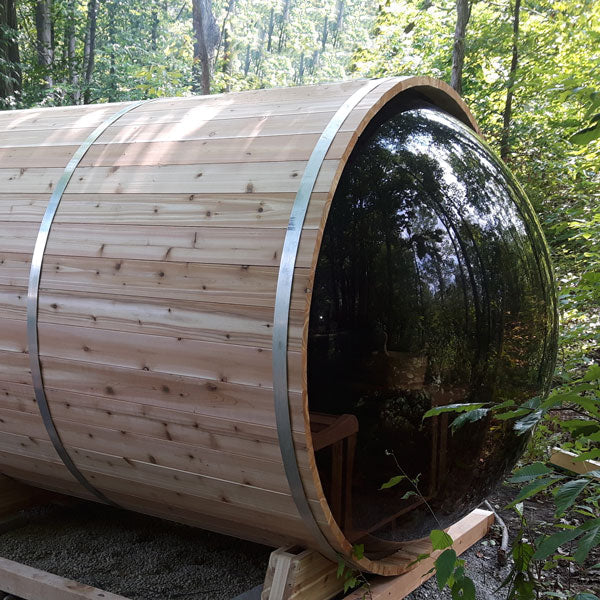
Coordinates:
x,y
157,295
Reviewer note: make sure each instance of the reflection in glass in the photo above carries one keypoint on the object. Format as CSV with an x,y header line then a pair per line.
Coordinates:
x,y
433,286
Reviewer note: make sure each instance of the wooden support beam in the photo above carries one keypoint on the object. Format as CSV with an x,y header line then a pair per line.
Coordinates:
x,y
33,584
465,533
296,574
568,460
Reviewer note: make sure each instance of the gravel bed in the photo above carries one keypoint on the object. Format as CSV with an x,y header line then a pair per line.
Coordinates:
x,y
139,557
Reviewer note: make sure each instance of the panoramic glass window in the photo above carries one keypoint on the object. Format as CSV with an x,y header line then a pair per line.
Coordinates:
x,y
432,287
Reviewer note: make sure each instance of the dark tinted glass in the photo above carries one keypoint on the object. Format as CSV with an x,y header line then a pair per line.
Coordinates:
x,y
433,286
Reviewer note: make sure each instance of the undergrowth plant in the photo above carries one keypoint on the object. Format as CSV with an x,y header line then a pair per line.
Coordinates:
x,y
576,526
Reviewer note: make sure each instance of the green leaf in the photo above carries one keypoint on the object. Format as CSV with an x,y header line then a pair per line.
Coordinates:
x,y
588,542
594,371
392,482
440,539
469,417
340,568
533,488
524,588
522,554
408,495
438,410
528,422
587,135
350,583
586,596
529,472
358,550
463,589
567,493
444,565
551,543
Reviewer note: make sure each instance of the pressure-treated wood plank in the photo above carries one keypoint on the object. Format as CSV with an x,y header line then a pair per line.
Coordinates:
x,y
33,584
184,210
236,324
222,245
227,284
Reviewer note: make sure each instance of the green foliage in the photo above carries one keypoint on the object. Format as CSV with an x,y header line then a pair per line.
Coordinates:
x,y
440,539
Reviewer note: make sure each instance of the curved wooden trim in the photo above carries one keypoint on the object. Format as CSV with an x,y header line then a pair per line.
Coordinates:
x,y
443,96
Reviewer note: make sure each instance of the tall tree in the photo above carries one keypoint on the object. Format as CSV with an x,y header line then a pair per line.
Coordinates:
x,y
463,12
206,39
10,62
89,49
339,21
512,75
45,47
71,45
285,15
112,80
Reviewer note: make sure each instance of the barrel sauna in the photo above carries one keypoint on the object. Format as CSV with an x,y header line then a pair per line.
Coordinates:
x,y
232,311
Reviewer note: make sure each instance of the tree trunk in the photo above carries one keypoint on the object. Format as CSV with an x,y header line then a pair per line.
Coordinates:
x,y
10,61
89,51
271,26
339,22
284,18
70,41
45,50
112,82
206,39
514,64
463,12
154,32
247,61
324,34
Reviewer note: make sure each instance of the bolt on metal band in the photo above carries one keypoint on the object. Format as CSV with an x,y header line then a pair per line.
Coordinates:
x,y
282,314
35,274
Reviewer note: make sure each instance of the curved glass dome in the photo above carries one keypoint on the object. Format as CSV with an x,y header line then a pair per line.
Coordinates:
x,y
433,286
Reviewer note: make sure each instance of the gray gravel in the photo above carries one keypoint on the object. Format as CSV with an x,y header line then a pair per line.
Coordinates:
x,y
136,556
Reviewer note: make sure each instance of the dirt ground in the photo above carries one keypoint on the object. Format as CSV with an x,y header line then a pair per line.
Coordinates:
x,y
149,559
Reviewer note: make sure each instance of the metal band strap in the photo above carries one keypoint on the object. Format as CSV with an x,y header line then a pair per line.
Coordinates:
x,y
33,297
282,314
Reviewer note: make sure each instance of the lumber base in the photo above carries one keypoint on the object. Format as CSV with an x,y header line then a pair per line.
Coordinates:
x,y
570,461
298,574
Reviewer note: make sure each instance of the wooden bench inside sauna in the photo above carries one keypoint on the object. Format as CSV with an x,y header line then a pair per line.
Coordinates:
x,y
233,311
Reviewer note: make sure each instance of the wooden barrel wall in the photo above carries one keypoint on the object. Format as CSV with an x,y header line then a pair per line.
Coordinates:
x,y
157,296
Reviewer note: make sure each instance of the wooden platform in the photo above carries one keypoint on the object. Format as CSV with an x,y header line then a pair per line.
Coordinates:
x,y
297,574
292,574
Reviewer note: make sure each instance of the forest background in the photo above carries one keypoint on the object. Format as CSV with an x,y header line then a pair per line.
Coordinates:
x,y
528,69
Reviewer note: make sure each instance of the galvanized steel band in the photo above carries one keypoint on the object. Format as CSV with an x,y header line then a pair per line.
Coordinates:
x,y
282,314
35,274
